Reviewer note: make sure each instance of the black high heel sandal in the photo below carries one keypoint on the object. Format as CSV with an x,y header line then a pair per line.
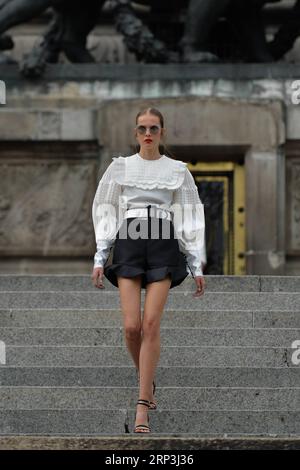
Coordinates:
x,y
153,406
143,427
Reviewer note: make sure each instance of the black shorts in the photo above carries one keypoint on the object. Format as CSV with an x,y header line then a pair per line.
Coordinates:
x,y
154,258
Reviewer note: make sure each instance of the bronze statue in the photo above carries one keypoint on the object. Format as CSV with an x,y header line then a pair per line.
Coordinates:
x,y
67,31
6,43
13,12
138,36
72,22
287,34
245,18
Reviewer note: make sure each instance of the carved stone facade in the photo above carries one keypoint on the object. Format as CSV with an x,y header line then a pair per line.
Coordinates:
x,y
58,136
45,200
294,191
293,202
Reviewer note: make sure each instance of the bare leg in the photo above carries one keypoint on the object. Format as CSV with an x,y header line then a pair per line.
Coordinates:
x,y
155,299
130,297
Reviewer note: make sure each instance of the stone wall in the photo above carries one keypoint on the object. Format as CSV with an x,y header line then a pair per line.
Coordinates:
x,y
87,121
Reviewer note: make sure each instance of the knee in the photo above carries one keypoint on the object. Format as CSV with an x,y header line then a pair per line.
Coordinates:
x,y
151,328
132,332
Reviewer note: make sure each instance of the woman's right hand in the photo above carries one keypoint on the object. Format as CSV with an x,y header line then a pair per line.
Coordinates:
x,y
97,278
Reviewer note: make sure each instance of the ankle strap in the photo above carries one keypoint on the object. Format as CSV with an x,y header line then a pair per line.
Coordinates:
x,y
143,402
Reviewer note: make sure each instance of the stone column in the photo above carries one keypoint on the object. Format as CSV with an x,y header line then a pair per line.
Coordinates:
x,y
265,216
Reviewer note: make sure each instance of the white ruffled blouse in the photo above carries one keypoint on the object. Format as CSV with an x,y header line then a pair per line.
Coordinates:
x,y
132,182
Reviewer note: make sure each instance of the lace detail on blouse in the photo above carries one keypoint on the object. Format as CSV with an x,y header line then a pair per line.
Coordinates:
x,y
133,176
107,215
161,173
189,223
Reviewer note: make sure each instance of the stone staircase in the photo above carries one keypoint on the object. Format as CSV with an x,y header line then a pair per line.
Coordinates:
x,y
227,365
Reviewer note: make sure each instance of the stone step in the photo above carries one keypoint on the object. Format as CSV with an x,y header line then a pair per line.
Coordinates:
x,y
158,442
168,376
178,300
66,422
78,422
60,318
217,356
225,364
177,398
74,282
220,422
85,318
114,336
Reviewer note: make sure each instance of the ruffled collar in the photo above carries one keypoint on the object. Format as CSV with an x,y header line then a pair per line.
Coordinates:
x,y
163,172
146,160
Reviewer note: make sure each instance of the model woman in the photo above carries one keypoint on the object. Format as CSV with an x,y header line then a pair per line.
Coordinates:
x,y
136,194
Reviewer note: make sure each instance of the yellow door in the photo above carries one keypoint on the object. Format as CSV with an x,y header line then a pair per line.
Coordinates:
x,y
221,188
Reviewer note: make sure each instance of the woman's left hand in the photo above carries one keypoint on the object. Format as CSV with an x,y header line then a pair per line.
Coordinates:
x,y
200,283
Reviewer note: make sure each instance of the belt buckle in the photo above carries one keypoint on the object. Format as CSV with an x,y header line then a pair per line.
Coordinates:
x,y
154,211
157,212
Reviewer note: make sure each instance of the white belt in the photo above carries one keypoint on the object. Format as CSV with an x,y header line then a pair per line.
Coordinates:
x,y
153,211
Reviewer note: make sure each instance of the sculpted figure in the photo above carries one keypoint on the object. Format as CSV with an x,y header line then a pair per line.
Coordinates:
x,y
72,21
244,16
137,34
67,31
202,16
287,34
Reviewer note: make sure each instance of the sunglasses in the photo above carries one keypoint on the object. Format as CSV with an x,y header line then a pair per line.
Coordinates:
x,y
143,129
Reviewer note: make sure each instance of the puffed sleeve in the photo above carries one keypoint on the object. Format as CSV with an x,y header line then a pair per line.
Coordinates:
x,y
106,215
189,223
